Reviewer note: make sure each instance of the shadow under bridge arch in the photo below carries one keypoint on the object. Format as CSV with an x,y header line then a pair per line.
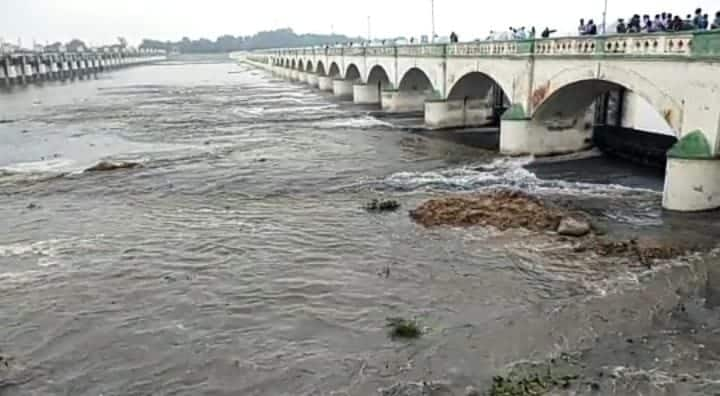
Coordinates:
x,y
414,89
628,123
480,99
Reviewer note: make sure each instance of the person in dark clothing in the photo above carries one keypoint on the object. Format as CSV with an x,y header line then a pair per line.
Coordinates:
x,y
677,24
453,37
621,27
634,25
697,19
547,32
705,22
591,28
716,22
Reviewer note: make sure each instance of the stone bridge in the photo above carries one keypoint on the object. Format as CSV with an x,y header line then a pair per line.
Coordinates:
x,y
543,89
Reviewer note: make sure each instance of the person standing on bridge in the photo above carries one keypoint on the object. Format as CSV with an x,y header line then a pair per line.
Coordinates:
x,y
582,29
453,37
697,20
716,22
621,28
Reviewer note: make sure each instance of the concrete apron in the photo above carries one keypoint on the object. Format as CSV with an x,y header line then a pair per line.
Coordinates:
x,y
403,101
325,83
523,137
441,114
342,89
692,185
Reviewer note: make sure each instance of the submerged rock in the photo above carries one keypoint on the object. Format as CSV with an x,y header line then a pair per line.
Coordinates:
x,y
106,166
573,227
502,210
644,249
416,389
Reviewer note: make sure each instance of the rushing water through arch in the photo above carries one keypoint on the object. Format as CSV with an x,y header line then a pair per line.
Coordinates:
x,y
239,259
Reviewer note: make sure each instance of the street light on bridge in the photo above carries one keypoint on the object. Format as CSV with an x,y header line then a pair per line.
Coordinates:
x,y
432,11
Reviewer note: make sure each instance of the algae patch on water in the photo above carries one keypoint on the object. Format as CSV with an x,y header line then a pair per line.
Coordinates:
x,y
403,328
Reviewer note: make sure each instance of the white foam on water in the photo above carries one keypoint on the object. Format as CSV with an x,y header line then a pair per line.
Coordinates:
x,y
504,173
361,122
48,166
48,252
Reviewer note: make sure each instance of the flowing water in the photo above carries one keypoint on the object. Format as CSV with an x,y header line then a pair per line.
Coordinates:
x,y
239,261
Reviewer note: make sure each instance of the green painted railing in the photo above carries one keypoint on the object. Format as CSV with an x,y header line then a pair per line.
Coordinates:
x,y
682,44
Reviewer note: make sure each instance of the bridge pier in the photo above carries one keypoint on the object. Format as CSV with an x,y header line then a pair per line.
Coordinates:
x,y
520,135
441,114
312,80
4,71
325,83
367,94
403,101
302,77
342,88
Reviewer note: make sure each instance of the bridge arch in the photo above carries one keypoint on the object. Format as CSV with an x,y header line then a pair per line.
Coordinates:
x,y
309,67
320,69
378,76
301,66
571,92
334,71
415,80
478,85
292,64
353,73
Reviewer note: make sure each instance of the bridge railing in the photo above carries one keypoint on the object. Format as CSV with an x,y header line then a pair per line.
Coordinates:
x,y
657,44
681,44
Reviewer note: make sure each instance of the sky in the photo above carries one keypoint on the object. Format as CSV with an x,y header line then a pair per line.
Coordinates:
x,y
102,21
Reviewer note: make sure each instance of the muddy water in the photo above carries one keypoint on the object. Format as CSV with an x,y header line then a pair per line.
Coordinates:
x,y
239,260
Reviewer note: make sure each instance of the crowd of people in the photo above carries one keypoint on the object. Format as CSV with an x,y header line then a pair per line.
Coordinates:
x,y
513,34
664,22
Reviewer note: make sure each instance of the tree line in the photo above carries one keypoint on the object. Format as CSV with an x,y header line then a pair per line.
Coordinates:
x,y
262,40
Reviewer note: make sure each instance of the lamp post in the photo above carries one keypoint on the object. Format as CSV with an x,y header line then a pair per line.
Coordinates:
x,y
369,36
432,10
604,25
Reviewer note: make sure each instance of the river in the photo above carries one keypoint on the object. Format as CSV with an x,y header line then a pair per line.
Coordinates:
x,y
239,260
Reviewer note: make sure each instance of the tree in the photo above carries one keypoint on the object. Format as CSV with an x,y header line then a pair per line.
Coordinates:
x,y
76,45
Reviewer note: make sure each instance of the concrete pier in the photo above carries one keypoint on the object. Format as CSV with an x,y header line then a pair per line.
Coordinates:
x,y
325,83
367,94
403,101
342,89
312,80
441,114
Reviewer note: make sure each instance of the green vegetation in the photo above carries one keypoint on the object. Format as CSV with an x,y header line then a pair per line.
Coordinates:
x,y
537,379
281,38
403,328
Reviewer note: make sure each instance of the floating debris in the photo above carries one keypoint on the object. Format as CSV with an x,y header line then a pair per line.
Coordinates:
x,y
106,166
381,205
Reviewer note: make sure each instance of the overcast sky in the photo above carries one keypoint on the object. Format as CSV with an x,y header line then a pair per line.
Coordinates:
x,y
102,21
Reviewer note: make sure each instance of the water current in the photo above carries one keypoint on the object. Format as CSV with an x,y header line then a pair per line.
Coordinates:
x,y
239,260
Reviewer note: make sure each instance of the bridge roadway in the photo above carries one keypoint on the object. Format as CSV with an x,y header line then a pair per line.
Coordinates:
x,y
547,87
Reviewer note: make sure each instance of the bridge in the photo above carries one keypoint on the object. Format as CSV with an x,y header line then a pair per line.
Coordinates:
x,y
26,67
543,88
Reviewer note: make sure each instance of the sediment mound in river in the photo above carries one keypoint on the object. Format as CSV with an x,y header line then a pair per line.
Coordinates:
x,y
505,210
106,166
502,210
